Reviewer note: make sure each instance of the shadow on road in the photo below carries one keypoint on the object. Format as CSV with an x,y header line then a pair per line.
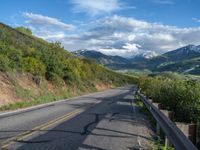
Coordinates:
x,y
71,134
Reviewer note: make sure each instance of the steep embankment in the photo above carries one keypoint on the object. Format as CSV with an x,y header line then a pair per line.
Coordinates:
x,y
33,71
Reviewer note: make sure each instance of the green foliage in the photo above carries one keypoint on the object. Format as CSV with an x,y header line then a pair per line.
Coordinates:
x,y
56,79
181,96
50,60
14,56
158,146
33,66
24,30
72,70
22,104
53,60
4,63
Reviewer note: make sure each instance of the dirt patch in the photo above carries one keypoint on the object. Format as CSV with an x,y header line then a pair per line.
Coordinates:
x,y
6,90
52,88
102,86
9,82
16,87
26,81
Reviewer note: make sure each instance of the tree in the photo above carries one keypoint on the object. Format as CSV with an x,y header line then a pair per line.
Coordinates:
x,y
34,66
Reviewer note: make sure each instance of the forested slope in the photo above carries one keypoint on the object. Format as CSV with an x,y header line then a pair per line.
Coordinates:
x,y
49,69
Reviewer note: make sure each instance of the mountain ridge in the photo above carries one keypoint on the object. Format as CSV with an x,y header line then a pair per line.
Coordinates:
x,y
183,59
100,57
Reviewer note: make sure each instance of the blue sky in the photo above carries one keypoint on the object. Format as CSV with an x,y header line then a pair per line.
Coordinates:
x,y
116,27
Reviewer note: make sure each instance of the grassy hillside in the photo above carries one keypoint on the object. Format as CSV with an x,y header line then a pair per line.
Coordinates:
x,y
50,71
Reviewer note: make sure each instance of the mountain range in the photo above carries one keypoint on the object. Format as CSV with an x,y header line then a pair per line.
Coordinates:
x,y
101,58
183,60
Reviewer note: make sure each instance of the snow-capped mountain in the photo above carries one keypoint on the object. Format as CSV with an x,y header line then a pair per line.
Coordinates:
x,y
185,59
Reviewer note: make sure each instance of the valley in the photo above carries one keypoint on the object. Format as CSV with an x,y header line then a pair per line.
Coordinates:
x,y
184,60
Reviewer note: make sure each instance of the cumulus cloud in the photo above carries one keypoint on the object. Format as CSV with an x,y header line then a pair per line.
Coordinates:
x,y
127,50
50,35
96,7
38,19
117,35
115,32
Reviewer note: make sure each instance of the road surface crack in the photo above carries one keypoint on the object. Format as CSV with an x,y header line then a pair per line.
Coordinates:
x,y
113,115
86,127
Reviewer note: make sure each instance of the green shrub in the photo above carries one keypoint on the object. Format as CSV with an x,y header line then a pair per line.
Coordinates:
x,y
4,63
34,66
56,79
53,60
72,71
15,57
180,96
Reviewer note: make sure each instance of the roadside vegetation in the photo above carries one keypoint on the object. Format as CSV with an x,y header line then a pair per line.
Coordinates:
x,y
177,93
49,63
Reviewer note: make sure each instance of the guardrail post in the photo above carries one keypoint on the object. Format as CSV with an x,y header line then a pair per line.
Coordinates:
x,y
190,131
167,143
157,129
157,105
170,115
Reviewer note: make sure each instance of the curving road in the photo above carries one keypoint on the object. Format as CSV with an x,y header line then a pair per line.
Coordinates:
x,y
105,120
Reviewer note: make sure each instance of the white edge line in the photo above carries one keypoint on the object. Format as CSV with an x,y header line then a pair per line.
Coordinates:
x,y
2,114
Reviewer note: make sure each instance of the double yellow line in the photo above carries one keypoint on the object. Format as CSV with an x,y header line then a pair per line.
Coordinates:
x,y
39,128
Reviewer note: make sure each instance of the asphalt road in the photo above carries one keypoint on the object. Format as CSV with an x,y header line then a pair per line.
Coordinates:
x,y
106,120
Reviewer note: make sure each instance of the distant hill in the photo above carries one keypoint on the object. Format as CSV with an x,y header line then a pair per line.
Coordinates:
x,y
178,55
101,58
183,53
184,60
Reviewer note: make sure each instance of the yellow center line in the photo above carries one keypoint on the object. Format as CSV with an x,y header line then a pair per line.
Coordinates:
x,y
40,127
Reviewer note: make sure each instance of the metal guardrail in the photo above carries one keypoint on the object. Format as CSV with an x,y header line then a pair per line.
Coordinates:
x,y
173,133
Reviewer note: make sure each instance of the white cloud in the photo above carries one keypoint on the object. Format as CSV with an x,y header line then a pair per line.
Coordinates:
x,y
124,36
129,46
50,35
96,7
149,54
196,19
38,19
115,32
